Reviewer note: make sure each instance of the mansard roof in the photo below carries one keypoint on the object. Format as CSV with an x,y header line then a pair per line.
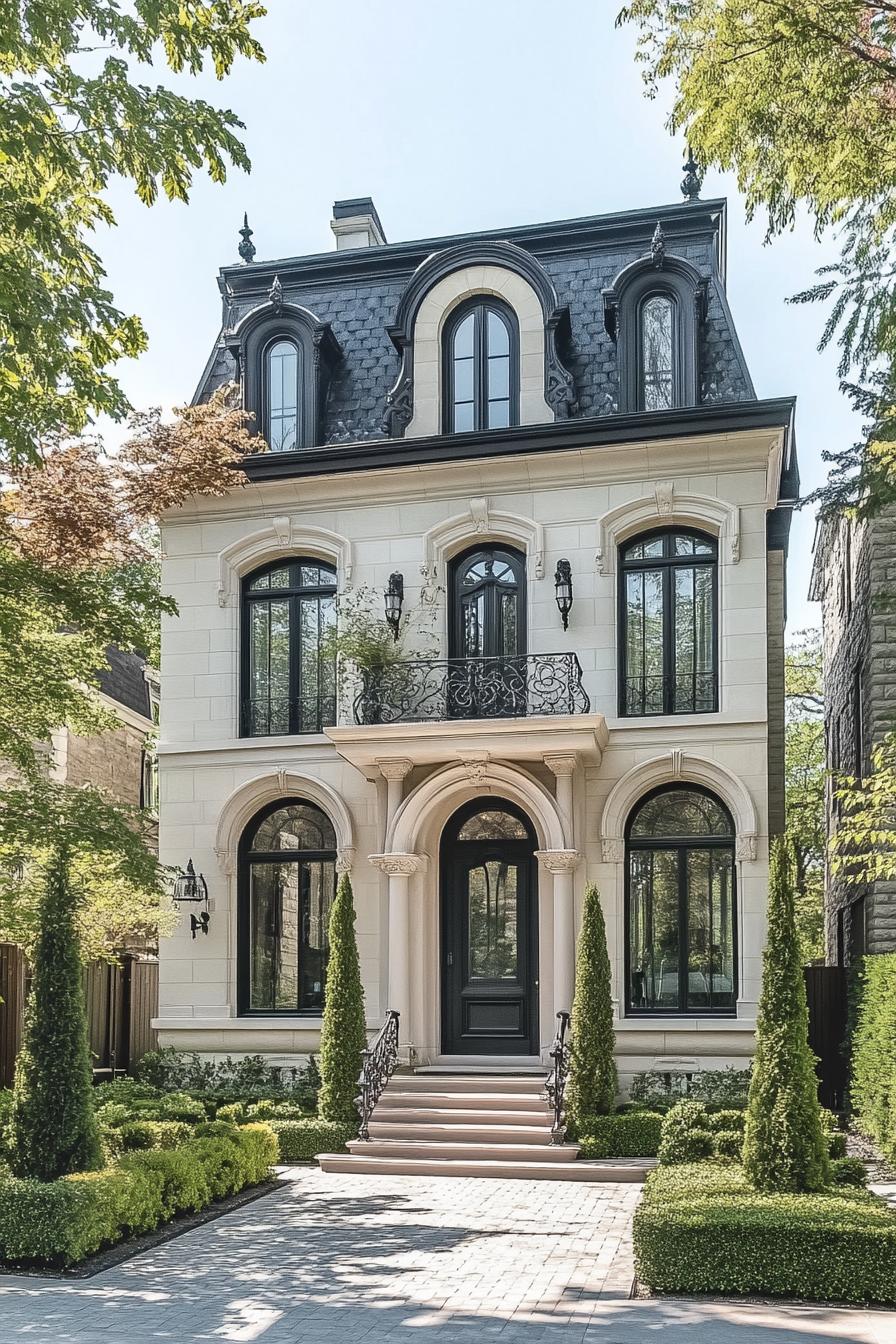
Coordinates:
x,y
359,296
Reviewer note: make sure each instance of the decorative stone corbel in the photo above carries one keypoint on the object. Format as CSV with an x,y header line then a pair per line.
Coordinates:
x,y
479,514
612,850
282,530
676,759
225,861
345,859
745,848
475,764
663,492
559,860
399,865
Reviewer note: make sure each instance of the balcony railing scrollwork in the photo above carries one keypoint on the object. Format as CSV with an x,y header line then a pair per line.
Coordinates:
x,y
427,690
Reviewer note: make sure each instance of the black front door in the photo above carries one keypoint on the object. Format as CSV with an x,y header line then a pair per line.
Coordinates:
x,y
489,933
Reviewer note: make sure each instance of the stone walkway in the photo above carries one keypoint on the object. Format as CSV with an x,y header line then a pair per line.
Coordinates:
x,y
391,1260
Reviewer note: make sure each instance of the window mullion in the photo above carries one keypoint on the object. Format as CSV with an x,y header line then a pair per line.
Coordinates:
x,y
480,386
294,667
683,942
669,669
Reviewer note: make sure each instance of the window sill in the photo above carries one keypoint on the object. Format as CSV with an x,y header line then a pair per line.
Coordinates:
x,y
310,1022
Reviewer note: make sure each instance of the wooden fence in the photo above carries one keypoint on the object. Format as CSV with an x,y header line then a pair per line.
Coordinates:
x,y
120,1000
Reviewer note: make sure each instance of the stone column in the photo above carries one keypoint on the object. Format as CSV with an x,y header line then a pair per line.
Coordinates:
x,y
563,768
562,864
400,868
393,770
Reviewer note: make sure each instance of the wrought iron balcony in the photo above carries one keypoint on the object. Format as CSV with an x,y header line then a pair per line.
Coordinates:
x,y
424,690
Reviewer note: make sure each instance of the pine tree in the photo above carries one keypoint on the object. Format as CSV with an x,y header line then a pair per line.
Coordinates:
x,y
592,1084
54,1130
784,1144
344,1035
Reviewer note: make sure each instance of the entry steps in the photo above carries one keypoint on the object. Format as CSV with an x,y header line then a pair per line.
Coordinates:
x,y
444,1123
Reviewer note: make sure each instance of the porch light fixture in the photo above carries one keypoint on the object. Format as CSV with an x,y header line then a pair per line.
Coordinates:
x,y
394,598
191,888
563,590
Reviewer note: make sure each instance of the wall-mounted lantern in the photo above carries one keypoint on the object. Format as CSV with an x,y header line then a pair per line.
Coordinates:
x,y
394,598
191,888
563,590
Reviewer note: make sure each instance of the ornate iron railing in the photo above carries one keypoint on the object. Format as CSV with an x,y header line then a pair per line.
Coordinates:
x,y
421,690
556,1083
378,1063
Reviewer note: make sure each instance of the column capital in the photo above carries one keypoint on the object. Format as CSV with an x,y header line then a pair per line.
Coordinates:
x,y
612,849
399,865
562,764
345,859
394,767
559,860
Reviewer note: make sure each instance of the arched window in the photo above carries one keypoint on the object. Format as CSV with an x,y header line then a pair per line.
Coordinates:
x,y
656,353
287,880
288,661
680,914
481,367
668,605
283,381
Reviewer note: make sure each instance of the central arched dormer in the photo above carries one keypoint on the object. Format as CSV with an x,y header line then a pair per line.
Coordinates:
x,y
480,332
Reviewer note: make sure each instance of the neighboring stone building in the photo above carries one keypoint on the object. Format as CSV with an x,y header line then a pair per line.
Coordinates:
x,y
541,445
853,576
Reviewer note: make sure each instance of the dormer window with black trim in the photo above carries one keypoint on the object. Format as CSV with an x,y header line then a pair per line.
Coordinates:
x,y
654,312
481,367
285,356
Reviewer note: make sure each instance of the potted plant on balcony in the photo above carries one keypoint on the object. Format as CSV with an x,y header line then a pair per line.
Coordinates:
x,y
373,663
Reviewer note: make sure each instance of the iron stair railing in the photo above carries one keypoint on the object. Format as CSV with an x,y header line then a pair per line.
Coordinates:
x,y
378,1063
556,1082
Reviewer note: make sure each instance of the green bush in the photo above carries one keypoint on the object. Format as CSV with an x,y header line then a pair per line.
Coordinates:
x,y
592,1084
836,1145
222,1163
343,1034
785,1146
302,1140
143,1134
872,1086
182,1181
725,1120
704,1229
716,1087
685,1135
53,1129
250,1078
849,1171
234,1111
627,1134
181,1106
125,1092
728,1144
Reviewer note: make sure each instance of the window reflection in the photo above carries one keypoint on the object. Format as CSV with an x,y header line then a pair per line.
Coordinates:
x,y
656,342
282,382
480,369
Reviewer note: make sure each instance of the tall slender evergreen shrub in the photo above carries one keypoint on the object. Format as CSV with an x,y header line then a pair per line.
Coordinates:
x,y
785,1148
344,1035
872,1082
592,1084
53,1128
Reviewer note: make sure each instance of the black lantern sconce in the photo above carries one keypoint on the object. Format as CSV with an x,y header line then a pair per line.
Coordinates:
x,y
563,590
191,888
394,598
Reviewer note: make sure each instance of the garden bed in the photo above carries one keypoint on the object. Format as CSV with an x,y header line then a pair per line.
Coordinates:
x,y
700,1228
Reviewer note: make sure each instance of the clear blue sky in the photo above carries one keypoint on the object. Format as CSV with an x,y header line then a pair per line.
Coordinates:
x,y
477,114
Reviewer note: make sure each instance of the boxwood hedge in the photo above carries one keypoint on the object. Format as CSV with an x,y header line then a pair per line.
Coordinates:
x,y
302,1140
60,1222
627,1134
703,1229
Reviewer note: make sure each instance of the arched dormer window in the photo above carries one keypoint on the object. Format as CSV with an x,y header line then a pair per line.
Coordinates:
x,y
654,313
282,395
480,353
285,356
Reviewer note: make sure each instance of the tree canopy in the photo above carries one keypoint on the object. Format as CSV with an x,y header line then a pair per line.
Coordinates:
x,y
804,779
74,118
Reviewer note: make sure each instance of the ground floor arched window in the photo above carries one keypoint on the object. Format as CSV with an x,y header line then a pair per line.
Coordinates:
x,y
681,954
287,880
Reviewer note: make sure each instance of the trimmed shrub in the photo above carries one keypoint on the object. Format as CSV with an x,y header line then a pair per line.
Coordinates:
x,y
219,1082
716,1087
728,1144
849,1171
344,1033
302,1140
872,1086
836,1145
182,1181
685,1136
785,1147
234,1111
592,1083
222,1163
181,1106
726,1120
143,1134
628,1134
53,1129
704,1229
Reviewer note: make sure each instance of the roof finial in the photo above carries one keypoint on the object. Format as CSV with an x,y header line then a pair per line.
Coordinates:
x,y
690,186
275,294
247,247
658,246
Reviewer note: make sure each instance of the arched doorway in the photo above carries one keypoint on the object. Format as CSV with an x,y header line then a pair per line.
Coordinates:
x,y
489,931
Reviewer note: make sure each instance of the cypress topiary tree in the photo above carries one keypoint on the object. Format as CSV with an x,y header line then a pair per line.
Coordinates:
x,y
343,1036
784,1143
53,1128
592,1083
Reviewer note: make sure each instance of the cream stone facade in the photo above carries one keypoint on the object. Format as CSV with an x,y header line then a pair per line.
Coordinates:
x,y
390,789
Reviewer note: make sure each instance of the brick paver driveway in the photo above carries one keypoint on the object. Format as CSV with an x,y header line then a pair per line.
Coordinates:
x,y
384,1259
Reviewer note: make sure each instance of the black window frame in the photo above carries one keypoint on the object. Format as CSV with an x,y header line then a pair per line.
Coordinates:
x,y
513,557
681,845
668,563
480,306
302,398
294,595
676,377
246,857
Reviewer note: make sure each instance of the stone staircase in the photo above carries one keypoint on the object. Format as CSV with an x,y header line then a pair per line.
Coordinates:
x,y
437,1123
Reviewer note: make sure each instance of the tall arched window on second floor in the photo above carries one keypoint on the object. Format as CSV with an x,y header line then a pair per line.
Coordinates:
x,y
288,662
656,352
680,916
481,368
282,395
668,618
